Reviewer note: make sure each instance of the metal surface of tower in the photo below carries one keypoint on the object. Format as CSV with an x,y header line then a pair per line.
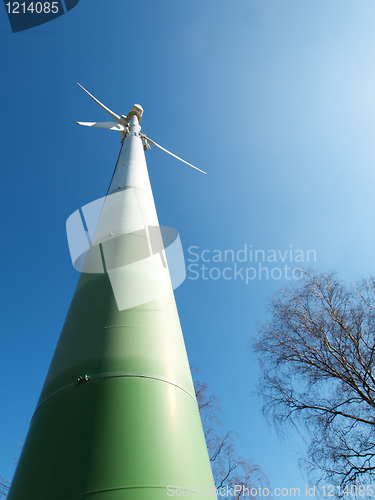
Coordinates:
x,y
117,418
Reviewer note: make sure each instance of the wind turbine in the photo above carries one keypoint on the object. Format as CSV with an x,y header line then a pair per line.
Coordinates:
x,y
117,418
122,123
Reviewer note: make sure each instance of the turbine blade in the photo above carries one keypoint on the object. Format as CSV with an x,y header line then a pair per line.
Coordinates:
x,y
114,116
175,156
107,125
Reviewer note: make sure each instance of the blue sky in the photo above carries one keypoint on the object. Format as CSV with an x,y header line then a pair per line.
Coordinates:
x,y
274,99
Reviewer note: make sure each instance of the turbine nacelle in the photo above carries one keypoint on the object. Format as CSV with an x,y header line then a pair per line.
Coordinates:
x,y
121,125
136,110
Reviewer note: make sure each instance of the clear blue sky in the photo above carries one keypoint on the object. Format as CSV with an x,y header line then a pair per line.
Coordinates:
x,y
274,99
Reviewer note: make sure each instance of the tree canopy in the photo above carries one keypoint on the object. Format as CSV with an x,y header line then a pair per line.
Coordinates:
x,y
231,472
317,354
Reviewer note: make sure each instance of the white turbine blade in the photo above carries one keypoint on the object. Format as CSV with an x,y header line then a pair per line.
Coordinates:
x,y
107,125
114,116
175,156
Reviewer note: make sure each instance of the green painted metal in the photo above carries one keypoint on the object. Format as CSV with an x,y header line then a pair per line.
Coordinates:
x,y
117,418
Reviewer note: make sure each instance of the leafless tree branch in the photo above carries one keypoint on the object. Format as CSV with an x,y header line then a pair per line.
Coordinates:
x,y
229,469
317,370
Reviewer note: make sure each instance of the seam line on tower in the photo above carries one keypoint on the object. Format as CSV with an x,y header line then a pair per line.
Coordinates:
x,y
103,377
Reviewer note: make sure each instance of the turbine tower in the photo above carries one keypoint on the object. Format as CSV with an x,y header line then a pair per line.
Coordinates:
x,y
117,418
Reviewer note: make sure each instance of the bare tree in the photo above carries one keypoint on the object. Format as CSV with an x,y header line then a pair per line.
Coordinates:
x,y
4,487
231,472
4,483
317,356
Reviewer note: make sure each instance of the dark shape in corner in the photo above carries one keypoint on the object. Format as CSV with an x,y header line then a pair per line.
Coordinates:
x,y
69,4
23,16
